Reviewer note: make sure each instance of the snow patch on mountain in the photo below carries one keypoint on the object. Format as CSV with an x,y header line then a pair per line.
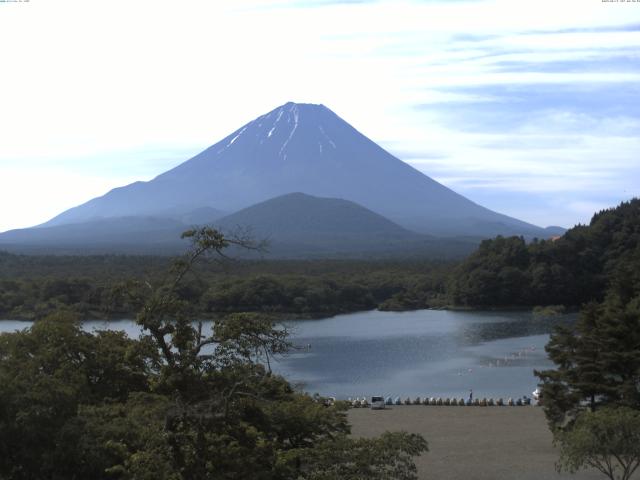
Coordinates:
x,y
296,117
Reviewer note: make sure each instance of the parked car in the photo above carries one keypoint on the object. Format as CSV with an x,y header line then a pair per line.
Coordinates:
x,y
377,403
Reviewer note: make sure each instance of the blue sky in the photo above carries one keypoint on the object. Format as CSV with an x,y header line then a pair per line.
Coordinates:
x,y
529,108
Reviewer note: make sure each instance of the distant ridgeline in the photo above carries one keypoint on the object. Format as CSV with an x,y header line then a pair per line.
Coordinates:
x,y
570,270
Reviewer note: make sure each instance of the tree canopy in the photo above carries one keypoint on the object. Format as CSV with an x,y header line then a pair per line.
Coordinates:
x,y
592,396
607,440
573,269
31,287
597,362
178,403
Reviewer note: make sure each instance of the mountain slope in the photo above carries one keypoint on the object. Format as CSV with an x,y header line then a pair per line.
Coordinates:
x,y
302,148
120,234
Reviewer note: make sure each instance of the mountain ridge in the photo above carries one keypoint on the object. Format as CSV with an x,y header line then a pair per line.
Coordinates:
x,y
310,149
296,225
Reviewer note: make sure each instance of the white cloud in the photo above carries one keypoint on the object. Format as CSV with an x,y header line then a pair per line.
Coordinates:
x,y
92,93
30,197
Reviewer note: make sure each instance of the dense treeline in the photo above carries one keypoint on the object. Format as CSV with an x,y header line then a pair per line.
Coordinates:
x,y
571,270
591,398
91,286
504,272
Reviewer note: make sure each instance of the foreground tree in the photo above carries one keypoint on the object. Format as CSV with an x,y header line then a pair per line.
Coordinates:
x,y
183,403
47,374
607,440
597,362
592,398
389,457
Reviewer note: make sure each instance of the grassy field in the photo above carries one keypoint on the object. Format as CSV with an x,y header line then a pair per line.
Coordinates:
x,y
473,443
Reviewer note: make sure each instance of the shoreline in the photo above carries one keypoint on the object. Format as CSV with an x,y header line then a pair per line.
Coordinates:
x,y
311,316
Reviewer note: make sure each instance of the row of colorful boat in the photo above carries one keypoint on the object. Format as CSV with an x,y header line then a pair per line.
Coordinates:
x,y
362,402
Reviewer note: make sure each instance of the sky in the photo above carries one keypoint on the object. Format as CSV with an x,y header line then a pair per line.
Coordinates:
x,y
528,107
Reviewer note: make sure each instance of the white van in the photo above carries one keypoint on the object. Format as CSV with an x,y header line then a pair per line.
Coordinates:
x,y
377,403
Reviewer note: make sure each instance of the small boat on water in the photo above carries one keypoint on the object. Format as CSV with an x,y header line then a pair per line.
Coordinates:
x,y
537,394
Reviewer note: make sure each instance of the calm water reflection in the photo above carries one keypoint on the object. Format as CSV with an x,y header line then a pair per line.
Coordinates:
x,y
425,352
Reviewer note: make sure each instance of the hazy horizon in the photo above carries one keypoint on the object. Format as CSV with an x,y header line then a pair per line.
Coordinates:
x,y
529,109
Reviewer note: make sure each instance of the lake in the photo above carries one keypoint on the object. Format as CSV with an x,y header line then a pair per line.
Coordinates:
x,y
424,352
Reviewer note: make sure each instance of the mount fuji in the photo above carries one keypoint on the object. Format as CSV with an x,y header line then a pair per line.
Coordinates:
x,y
302,148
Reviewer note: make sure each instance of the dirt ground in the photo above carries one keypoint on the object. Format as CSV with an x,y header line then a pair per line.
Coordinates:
x,y
473,443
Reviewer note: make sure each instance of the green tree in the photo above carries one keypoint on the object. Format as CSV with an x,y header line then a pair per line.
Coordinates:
x,y
389,457
597,363
607,440
572,270
47,374
182,403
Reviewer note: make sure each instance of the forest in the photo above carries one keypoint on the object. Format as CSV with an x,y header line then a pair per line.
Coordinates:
x,y
592,397
570,270
31,287
503,272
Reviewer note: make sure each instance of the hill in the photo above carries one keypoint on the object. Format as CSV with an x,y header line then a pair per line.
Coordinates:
x,y
299,225
297,215
576,268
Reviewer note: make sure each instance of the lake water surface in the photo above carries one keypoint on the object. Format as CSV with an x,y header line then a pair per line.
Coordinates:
x,y
424,352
